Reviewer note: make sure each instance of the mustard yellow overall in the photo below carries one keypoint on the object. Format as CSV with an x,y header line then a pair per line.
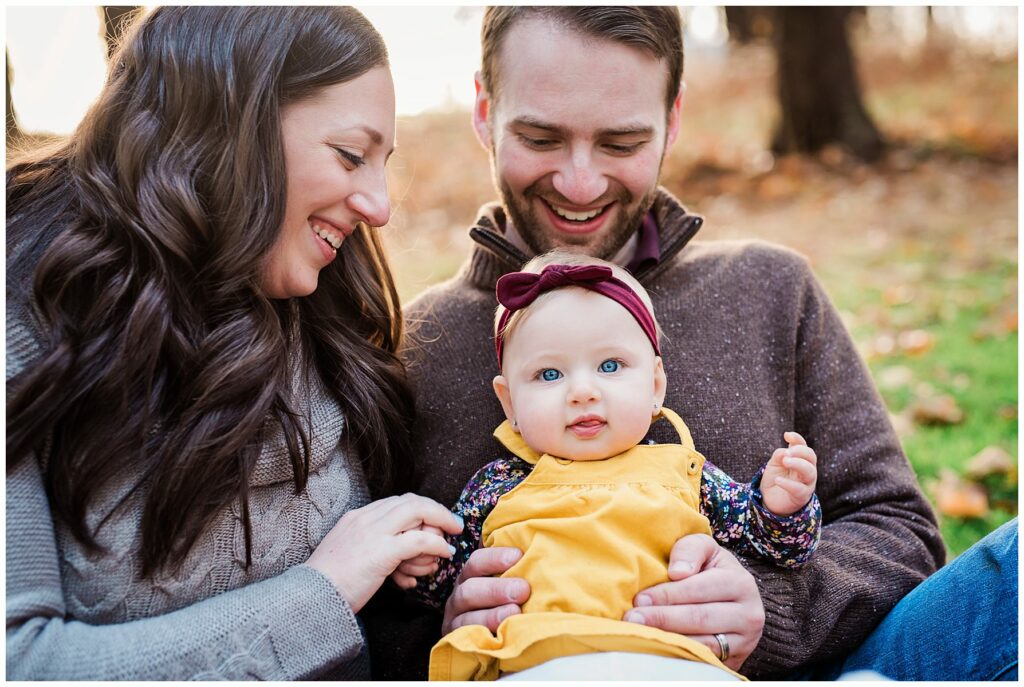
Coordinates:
x,y
593,533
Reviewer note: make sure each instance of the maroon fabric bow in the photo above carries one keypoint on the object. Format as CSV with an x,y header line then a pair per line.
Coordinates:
x,y
517,290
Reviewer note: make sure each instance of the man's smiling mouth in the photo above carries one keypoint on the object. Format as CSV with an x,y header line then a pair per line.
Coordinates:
x,y
574,216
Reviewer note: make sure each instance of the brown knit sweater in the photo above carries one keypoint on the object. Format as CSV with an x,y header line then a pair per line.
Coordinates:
x,y
753,347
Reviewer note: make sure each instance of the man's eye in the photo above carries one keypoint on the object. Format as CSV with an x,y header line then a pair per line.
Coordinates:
x,y
623,149
550,374
609,366
537,143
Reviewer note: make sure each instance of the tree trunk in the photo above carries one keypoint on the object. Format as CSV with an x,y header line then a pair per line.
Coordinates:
x,y
115,19
746,23
12,119
819,95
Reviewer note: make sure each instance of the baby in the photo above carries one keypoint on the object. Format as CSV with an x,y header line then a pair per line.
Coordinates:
x,y
595,511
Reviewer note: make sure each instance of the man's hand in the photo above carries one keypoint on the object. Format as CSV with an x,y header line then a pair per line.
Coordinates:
x,y
709,593
479,599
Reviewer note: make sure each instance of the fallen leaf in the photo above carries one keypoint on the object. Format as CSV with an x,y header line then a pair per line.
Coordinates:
x,y
1008,412
991,460
959,499
895,377
1009,322
916,341
899,294
936,410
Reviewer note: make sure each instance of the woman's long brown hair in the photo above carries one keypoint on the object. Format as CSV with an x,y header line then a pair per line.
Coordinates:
x,y
139,244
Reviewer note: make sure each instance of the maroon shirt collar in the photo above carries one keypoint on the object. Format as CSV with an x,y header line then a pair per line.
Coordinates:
x,y
648,247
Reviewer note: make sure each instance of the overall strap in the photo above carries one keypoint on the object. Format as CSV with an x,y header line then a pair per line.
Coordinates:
x,y
684,433
513,441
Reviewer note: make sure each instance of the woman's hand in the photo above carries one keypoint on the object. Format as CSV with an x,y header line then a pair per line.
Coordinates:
x,y
369,543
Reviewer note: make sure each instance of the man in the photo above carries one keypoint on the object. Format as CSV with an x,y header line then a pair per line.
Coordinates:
x,y
577,106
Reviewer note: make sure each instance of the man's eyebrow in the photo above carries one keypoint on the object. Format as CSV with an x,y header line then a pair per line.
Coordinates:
x,y
627,130
534,123
632,130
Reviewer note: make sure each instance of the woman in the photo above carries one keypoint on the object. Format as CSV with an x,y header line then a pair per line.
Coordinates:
x,y
201,362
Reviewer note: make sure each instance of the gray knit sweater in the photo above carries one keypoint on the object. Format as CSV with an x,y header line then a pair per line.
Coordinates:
x,y
72,614
753,347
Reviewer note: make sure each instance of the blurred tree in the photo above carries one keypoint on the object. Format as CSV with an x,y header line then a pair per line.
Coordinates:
x,y
12,118
747,23
115,19
819,96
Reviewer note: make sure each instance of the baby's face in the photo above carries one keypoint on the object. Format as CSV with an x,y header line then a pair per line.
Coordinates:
x,y
580,377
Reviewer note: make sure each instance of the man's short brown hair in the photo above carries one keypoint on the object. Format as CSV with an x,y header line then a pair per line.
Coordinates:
x,y
656,30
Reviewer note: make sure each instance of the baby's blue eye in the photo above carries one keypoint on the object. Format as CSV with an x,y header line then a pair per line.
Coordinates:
x,y
609,366
550,374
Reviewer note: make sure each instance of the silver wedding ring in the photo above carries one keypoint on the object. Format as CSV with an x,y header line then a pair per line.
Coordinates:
x,y
723,646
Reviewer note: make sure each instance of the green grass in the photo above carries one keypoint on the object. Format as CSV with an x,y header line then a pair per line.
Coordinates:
x,y
974,359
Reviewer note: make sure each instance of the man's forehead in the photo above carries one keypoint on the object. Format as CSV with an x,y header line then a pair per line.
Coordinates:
x,y
537,44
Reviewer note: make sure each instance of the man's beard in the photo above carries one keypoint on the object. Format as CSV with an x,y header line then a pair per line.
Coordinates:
x,y
605,244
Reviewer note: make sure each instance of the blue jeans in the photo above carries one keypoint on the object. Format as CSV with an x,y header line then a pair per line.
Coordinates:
x,y
959,624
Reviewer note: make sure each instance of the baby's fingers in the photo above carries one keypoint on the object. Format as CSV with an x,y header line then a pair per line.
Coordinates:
x,y
801,469
419,569
804,452
402,580
794,439
777,458
800,492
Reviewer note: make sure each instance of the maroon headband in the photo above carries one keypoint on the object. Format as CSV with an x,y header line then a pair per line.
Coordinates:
x,y
517,290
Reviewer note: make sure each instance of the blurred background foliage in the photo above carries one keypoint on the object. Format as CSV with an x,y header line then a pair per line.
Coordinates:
x,y
879,142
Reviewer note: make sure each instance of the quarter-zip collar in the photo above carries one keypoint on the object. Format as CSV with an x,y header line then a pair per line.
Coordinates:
x,y
494,255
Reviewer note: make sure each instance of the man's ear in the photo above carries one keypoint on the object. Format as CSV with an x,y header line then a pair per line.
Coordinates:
x,y
501,390
481,110
660,383
674,116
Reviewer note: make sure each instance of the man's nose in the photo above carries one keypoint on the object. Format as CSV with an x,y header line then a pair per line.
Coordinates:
x,y
580,180
372,202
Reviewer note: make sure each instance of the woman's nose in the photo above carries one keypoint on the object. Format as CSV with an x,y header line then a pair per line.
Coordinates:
x,y
372,202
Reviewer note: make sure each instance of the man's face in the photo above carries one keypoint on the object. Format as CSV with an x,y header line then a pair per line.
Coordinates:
x,y
577,133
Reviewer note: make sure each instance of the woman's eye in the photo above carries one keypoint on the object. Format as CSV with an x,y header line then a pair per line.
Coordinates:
x,y
610,366
550,374
351,158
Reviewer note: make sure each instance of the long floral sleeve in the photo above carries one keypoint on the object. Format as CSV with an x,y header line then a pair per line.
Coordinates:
x,y
739,519
474,505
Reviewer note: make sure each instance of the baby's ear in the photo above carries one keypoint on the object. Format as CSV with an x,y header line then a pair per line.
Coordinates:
x,y
501,390
660,383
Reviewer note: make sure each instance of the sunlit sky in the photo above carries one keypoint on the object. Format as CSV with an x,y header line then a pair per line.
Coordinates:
x,y
57,53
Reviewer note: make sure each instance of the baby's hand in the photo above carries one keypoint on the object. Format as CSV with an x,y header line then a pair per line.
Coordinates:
x,y
790,477
408,570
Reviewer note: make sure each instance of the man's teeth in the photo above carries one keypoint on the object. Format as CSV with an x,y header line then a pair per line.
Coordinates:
x,y
576,216
327,235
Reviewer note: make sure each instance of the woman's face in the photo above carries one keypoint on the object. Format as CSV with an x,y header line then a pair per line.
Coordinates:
x,y
336,144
